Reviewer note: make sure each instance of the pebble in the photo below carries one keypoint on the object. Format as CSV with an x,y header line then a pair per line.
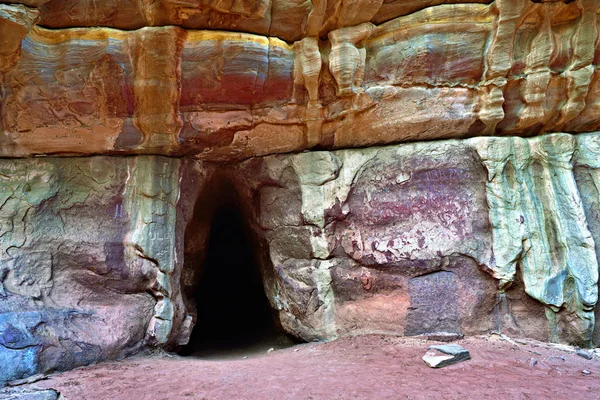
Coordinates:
x,y
533,362
584,354
586,372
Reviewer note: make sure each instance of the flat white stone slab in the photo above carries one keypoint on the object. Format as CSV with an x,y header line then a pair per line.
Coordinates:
x,y
450,354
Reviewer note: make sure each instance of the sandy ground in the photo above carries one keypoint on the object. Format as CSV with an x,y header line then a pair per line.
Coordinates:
x,y
366,367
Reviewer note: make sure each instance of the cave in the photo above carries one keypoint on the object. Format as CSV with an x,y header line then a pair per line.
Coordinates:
x,y
234,316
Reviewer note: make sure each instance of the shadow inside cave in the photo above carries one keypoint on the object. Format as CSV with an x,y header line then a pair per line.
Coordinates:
x,y
234,315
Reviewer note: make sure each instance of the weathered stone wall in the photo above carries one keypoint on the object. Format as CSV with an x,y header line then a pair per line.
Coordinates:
x,y
487,220
462,236
513,67
87,255
397,239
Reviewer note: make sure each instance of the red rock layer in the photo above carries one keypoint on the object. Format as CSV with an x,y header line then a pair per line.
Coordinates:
x,y
446,71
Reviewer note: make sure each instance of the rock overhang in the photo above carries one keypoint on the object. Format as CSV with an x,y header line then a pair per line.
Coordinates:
x,y
448,71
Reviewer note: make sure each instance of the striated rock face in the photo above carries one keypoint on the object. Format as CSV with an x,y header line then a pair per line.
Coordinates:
x,y
15,23
289,20
100,255
77,283
345,79
396,239
150,118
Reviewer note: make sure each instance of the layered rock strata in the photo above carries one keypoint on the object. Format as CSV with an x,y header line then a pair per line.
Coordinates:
x,y
460,236
509,68
488,221
285,19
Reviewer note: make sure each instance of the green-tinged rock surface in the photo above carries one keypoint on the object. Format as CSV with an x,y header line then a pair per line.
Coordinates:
x,y
101,257
151,192
78,262
539,225
380,220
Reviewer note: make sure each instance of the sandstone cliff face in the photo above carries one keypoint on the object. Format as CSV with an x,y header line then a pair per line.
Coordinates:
x,y
487,220
99,254
289,20
455,70
72,291
395,240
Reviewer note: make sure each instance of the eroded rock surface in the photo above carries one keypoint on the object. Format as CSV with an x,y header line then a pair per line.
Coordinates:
x,y
99,254
403,236
86,255
488,220
289,20
345,79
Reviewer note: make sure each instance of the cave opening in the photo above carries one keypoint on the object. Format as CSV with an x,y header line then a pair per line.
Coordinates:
x,y
234,316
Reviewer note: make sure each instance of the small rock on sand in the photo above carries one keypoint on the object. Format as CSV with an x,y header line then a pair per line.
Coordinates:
x,y
584,354
533,362
29,394
450,354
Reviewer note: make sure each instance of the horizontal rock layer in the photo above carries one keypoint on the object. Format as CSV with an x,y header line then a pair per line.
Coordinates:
x,y
99,255
289,20
450,71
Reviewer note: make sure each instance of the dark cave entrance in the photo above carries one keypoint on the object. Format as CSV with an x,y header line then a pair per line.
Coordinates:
x,y
234,316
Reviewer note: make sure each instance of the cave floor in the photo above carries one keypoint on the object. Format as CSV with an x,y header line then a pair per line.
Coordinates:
x,y
365,367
